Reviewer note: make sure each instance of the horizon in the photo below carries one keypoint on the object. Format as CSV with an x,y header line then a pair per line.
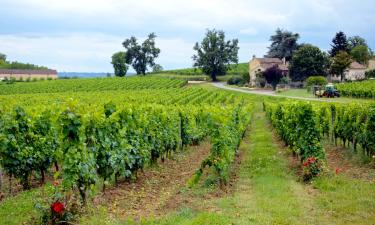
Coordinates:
x,y
81,36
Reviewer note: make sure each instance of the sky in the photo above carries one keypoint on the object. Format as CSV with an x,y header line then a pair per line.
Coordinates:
x,y
82,35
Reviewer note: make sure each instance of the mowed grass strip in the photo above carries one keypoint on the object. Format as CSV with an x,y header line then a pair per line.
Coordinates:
x,y
267,192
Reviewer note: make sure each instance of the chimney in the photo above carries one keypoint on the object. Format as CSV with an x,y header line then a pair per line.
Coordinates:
x,y
254,57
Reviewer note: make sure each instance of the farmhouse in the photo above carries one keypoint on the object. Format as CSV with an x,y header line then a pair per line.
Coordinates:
x,y
356,71
27,74
371,65
257,65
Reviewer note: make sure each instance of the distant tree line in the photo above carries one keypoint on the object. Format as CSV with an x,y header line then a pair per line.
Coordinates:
x,y
4,64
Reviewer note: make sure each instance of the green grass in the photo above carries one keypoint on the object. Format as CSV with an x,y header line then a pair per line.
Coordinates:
x,y
345,201
21,208
296,93
305,94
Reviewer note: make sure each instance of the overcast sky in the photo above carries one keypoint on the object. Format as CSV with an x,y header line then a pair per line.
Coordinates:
x,y
81,35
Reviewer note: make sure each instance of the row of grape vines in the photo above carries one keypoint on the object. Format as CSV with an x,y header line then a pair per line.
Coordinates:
x,y
303,125
363,89
90,84
89,138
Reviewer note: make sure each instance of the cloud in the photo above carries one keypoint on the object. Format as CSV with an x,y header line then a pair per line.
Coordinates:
x,y
249,31
82,34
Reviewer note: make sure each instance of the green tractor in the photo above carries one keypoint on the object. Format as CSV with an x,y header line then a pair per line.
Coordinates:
x,y
329,91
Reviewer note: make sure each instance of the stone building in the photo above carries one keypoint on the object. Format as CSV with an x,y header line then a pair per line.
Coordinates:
x,y
257,65
27,74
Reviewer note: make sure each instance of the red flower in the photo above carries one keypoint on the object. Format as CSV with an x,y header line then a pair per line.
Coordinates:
x,y
57,207
56,183
338,170
306,163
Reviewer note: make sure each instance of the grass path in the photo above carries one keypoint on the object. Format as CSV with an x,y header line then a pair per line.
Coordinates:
x,y
267,193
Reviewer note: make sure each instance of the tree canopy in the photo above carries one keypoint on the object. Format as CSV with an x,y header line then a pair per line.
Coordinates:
x,y
361,54
273,76
119,64
339,43
340,62
214,53
308,61
140,56
284,43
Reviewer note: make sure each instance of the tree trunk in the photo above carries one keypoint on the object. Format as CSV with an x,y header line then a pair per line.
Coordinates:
x,y
213,76
43,174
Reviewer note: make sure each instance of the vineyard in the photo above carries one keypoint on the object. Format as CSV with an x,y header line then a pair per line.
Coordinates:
x,y
92,84
363,89
103,137
94,136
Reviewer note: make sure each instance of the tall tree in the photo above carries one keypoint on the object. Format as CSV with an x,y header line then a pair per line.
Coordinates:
x,y
140,56
3,57
284,43
340,62
355,41
214,53
273,76
119,64
308,61
157,68
361,54
339,43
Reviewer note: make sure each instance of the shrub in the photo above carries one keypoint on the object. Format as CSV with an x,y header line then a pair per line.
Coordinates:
x,y
316,80
235,81
312,167
370,74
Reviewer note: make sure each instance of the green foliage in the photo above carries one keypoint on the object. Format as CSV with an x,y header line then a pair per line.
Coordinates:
x,y
361,89
3,57
235,81
92,139
119,64
273,76
140,56
157,68
370,74
298,126
361,54
339,44
283,45
307,61
91,84
340,62
19,65
316,80
215,54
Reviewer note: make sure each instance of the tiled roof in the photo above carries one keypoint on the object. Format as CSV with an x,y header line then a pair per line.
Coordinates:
x,y
269,60
356,65
29,72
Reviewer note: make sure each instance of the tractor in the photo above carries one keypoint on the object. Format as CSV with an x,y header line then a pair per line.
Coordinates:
x,y
329,91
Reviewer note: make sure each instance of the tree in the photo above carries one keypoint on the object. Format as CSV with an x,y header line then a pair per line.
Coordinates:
x,y
215,54
361,54
340,43
3,57
284,43
355,41
273,75
119,64
157,68
340,63
141,56
308,61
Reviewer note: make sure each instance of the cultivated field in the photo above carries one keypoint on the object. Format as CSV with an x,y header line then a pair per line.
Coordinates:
x,y
158,151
